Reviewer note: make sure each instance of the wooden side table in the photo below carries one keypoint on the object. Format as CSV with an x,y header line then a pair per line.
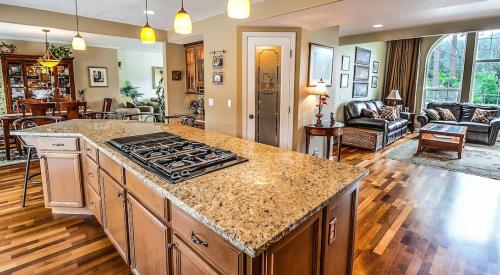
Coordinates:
x,y
411,121
327,131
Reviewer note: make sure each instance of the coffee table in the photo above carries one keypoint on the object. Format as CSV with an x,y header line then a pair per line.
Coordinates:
x,y
443,137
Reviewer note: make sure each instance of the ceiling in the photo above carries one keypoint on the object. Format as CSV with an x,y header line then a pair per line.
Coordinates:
x,y
33,33
359,16
129,11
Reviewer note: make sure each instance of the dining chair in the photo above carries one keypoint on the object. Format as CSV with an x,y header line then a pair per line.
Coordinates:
x,y
106,104
25,123
180,119
20,104
72,109
39,109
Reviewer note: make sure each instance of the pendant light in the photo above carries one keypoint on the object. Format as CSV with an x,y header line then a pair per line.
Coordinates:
x,y
48,60
148,35
238,9
182,21
78,41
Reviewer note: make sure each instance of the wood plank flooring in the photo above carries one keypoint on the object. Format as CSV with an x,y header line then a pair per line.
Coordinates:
x,y
411,220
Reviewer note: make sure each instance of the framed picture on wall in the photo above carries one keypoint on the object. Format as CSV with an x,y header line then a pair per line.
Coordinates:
x,y
344,80
98,76
176,75
346,63
320,65
363,56
376,66
361,73
218,78
374,82
359,89
157,75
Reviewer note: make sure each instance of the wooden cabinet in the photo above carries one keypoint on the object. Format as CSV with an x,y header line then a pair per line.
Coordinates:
x,y
62,179
195,68
94,203
186,262
339,229
299,252
115,215
148,241
24,78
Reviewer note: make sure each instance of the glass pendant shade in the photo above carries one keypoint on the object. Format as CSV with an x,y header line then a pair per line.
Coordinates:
x,y
78,43
148,35
48,60
238,9
182,22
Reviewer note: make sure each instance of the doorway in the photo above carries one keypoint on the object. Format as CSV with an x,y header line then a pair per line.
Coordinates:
x,y
268,87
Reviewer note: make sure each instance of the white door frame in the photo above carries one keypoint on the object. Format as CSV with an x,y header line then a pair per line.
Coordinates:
x,y
284,131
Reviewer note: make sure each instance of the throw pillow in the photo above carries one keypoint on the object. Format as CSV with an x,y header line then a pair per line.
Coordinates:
x,y
370,113
130,105
446,114
483,116
433,114
388,113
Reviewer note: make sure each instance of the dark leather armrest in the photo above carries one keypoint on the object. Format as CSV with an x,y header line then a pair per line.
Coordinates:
x,y
404,115
423,119
495,122
494,128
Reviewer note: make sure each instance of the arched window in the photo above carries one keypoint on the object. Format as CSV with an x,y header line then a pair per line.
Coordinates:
x,y
444,69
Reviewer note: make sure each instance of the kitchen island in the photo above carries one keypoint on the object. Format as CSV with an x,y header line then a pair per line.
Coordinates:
x,y
281,212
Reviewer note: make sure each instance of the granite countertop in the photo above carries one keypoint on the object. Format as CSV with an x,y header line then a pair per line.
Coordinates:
x,y
252,204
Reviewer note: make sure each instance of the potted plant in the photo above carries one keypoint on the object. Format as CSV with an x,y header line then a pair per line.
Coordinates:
x,y
7,48
60,51
131,91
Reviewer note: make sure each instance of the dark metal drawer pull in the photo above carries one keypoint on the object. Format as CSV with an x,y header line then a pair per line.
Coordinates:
x,y
57,144
198,241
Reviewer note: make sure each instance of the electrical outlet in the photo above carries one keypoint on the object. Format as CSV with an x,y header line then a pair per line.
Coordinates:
x,y
229,103
211,102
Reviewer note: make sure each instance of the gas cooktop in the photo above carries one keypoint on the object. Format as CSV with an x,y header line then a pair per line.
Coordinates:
x,y
173,158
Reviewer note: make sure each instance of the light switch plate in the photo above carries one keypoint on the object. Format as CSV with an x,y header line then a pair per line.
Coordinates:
x,y
229,103
210,102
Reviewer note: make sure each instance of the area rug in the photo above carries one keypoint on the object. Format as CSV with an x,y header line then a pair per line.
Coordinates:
x,y
480,160
15,158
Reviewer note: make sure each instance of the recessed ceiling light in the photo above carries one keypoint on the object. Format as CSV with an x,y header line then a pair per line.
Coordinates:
x,y
378,26
149,12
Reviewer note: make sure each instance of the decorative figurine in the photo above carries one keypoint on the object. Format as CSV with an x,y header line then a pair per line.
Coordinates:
x,y
332,118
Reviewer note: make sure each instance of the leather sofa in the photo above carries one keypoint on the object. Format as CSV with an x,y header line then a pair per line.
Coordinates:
x,y
392,130
476,132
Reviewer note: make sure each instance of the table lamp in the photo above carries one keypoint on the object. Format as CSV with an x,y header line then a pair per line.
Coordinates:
x,y
321,91
394,96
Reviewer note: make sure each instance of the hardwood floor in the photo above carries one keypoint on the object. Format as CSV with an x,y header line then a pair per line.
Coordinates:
x,y
411,219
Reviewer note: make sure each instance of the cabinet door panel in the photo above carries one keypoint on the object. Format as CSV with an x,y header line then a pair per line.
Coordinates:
x,y
62,180
148,241
94,203
186,262
115,219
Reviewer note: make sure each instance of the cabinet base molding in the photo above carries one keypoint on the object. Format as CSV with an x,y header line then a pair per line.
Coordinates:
x,y
72,211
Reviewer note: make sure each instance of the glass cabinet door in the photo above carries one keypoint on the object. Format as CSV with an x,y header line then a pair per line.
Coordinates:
x,y
63,81
40,81
16,83
200,69
190,70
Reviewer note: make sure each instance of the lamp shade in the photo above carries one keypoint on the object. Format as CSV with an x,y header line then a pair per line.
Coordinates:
x,y
238,9
320,89
78,43
394,95
182,22
148,35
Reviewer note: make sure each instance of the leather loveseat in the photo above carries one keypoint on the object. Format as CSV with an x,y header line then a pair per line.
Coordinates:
x,y
476,132
392,130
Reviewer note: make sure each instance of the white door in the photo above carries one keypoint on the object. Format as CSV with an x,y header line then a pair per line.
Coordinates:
x,y
268,87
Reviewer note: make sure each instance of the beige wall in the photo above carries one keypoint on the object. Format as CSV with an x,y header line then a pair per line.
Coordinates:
x,y
99,57
338,96
178,100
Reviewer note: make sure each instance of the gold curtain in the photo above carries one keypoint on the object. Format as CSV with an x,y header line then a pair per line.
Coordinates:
x,y
402,69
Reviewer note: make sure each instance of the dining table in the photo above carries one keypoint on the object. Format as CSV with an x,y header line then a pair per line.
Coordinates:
x,y
8,120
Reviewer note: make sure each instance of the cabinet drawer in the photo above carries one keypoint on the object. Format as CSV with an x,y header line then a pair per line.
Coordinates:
x,y
94,203
145,194
91,174
58,144
111,167
90,150
216,250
